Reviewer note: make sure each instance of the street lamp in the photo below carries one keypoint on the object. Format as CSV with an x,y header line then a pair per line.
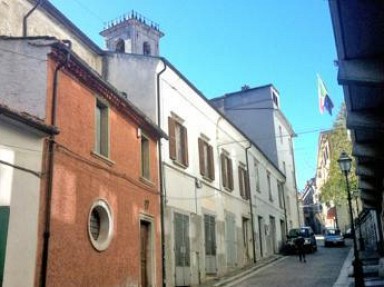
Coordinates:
x,y
345,163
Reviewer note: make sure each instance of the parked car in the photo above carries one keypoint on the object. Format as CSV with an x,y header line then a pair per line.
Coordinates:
x,y
310,244
333,237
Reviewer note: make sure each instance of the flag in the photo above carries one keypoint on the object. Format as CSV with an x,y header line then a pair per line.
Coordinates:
x,y
325,101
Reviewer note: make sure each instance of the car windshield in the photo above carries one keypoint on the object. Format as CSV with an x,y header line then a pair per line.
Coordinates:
x,y
333,232
297,232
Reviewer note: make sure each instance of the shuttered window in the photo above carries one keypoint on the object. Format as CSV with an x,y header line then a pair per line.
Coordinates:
x,y
243,182
207,167
145,170
227,171
269,186
280,188
102,129
178,142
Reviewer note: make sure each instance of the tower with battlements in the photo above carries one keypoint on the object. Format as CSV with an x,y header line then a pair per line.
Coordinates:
x,y
133,33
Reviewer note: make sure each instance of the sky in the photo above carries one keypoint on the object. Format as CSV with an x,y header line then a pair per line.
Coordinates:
x,y
221,45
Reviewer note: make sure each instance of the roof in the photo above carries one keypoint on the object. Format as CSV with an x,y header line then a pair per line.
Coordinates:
x,y
198,92
27,119
244,91
47,7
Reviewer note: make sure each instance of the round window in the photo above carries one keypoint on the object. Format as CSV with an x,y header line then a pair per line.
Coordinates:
x,y
100,225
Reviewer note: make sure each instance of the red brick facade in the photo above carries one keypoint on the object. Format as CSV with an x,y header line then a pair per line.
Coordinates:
x,y
81,177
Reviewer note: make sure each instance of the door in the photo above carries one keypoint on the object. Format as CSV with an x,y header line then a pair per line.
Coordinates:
x,y
245,238
230,223
144,253
210,244
182,255
261,232
272,225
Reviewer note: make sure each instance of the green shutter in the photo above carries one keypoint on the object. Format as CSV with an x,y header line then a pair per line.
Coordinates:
x,y
4,219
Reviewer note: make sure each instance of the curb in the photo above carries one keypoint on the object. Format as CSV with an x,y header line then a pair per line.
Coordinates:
x,y
242,274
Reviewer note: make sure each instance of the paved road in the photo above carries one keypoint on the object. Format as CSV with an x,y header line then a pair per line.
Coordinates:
x,y
321,270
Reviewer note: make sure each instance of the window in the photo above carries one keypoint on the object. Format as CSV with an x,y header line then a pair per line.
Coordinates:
x,y
207,167
146,48
280,189
100,225
178,148
257,178
243,182
269,186
102,129
281,134
120,46
284,168
145,170
226,169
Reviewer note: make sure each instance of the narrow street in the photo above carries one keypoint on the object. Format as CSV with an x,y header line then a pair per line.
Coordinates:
x,y
322,269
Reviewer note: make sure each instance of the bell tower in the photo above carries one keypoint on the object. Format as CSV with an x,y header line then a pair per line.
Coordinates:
x,y
133,33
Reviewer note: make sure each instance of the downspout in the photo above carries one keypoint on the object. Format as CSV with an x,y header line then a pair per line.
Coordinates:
x,y
285,213
25,27
250,204
51,157
161,173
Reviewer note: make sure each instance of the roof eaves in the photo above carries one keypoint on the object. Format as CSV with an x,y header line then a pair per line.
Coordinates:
x,y
55,13
166,62
28,120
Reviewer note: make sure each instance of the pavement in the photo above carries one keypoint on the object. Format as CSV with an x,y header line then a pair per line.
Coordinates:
x,y
345,278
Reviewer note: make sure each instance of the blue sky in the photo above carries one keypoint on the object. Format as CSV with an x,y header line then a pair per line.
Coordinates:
x,y
222,45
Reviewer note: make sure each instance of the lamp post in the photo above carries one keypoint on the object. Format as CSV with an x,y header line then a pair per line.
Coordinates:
x,y
345,163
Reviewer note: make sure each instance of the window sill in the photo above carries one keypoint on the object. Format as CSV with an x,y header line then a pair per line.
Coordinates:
x,y
146,181
103,158
176,162
207,178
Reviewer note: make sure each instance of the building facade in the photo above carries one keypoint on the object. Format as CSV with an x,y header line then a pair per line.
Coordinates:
x,y
21,158
212,172
100,199
273,134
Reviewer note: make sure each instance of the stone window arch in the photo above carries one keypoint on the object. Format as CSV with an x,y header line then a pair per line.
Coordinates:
x,y
146,48
120,46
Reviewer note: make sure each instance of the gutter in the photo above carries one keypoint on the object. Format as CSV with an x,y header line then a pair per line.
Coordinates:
x,y
25,27
250,204
161,174
51,157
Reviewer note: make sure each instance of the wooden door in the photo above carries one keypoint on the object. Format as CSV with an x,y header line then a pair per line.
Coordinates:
x,y
182,250
144,253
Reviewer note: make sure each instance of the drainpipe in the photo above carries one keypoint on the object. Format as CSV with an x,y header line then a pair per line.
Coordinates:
x,y
51,157
162,189
285,213
39,2
251,205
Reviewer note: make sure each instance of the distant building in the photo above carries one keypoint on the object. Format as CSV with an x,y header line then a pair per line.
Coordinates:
x,y
256,111
311,209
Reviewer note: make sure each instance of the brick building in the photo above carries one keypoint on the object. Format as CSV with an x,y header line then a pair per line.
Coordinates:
x,y
99,220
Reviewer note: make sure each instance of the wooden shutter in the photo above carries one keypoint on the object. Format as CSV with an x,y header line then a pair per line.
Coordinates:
x,y
172,138
230,174
201,156
223,170
241,179
211,163
247,190
185,145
